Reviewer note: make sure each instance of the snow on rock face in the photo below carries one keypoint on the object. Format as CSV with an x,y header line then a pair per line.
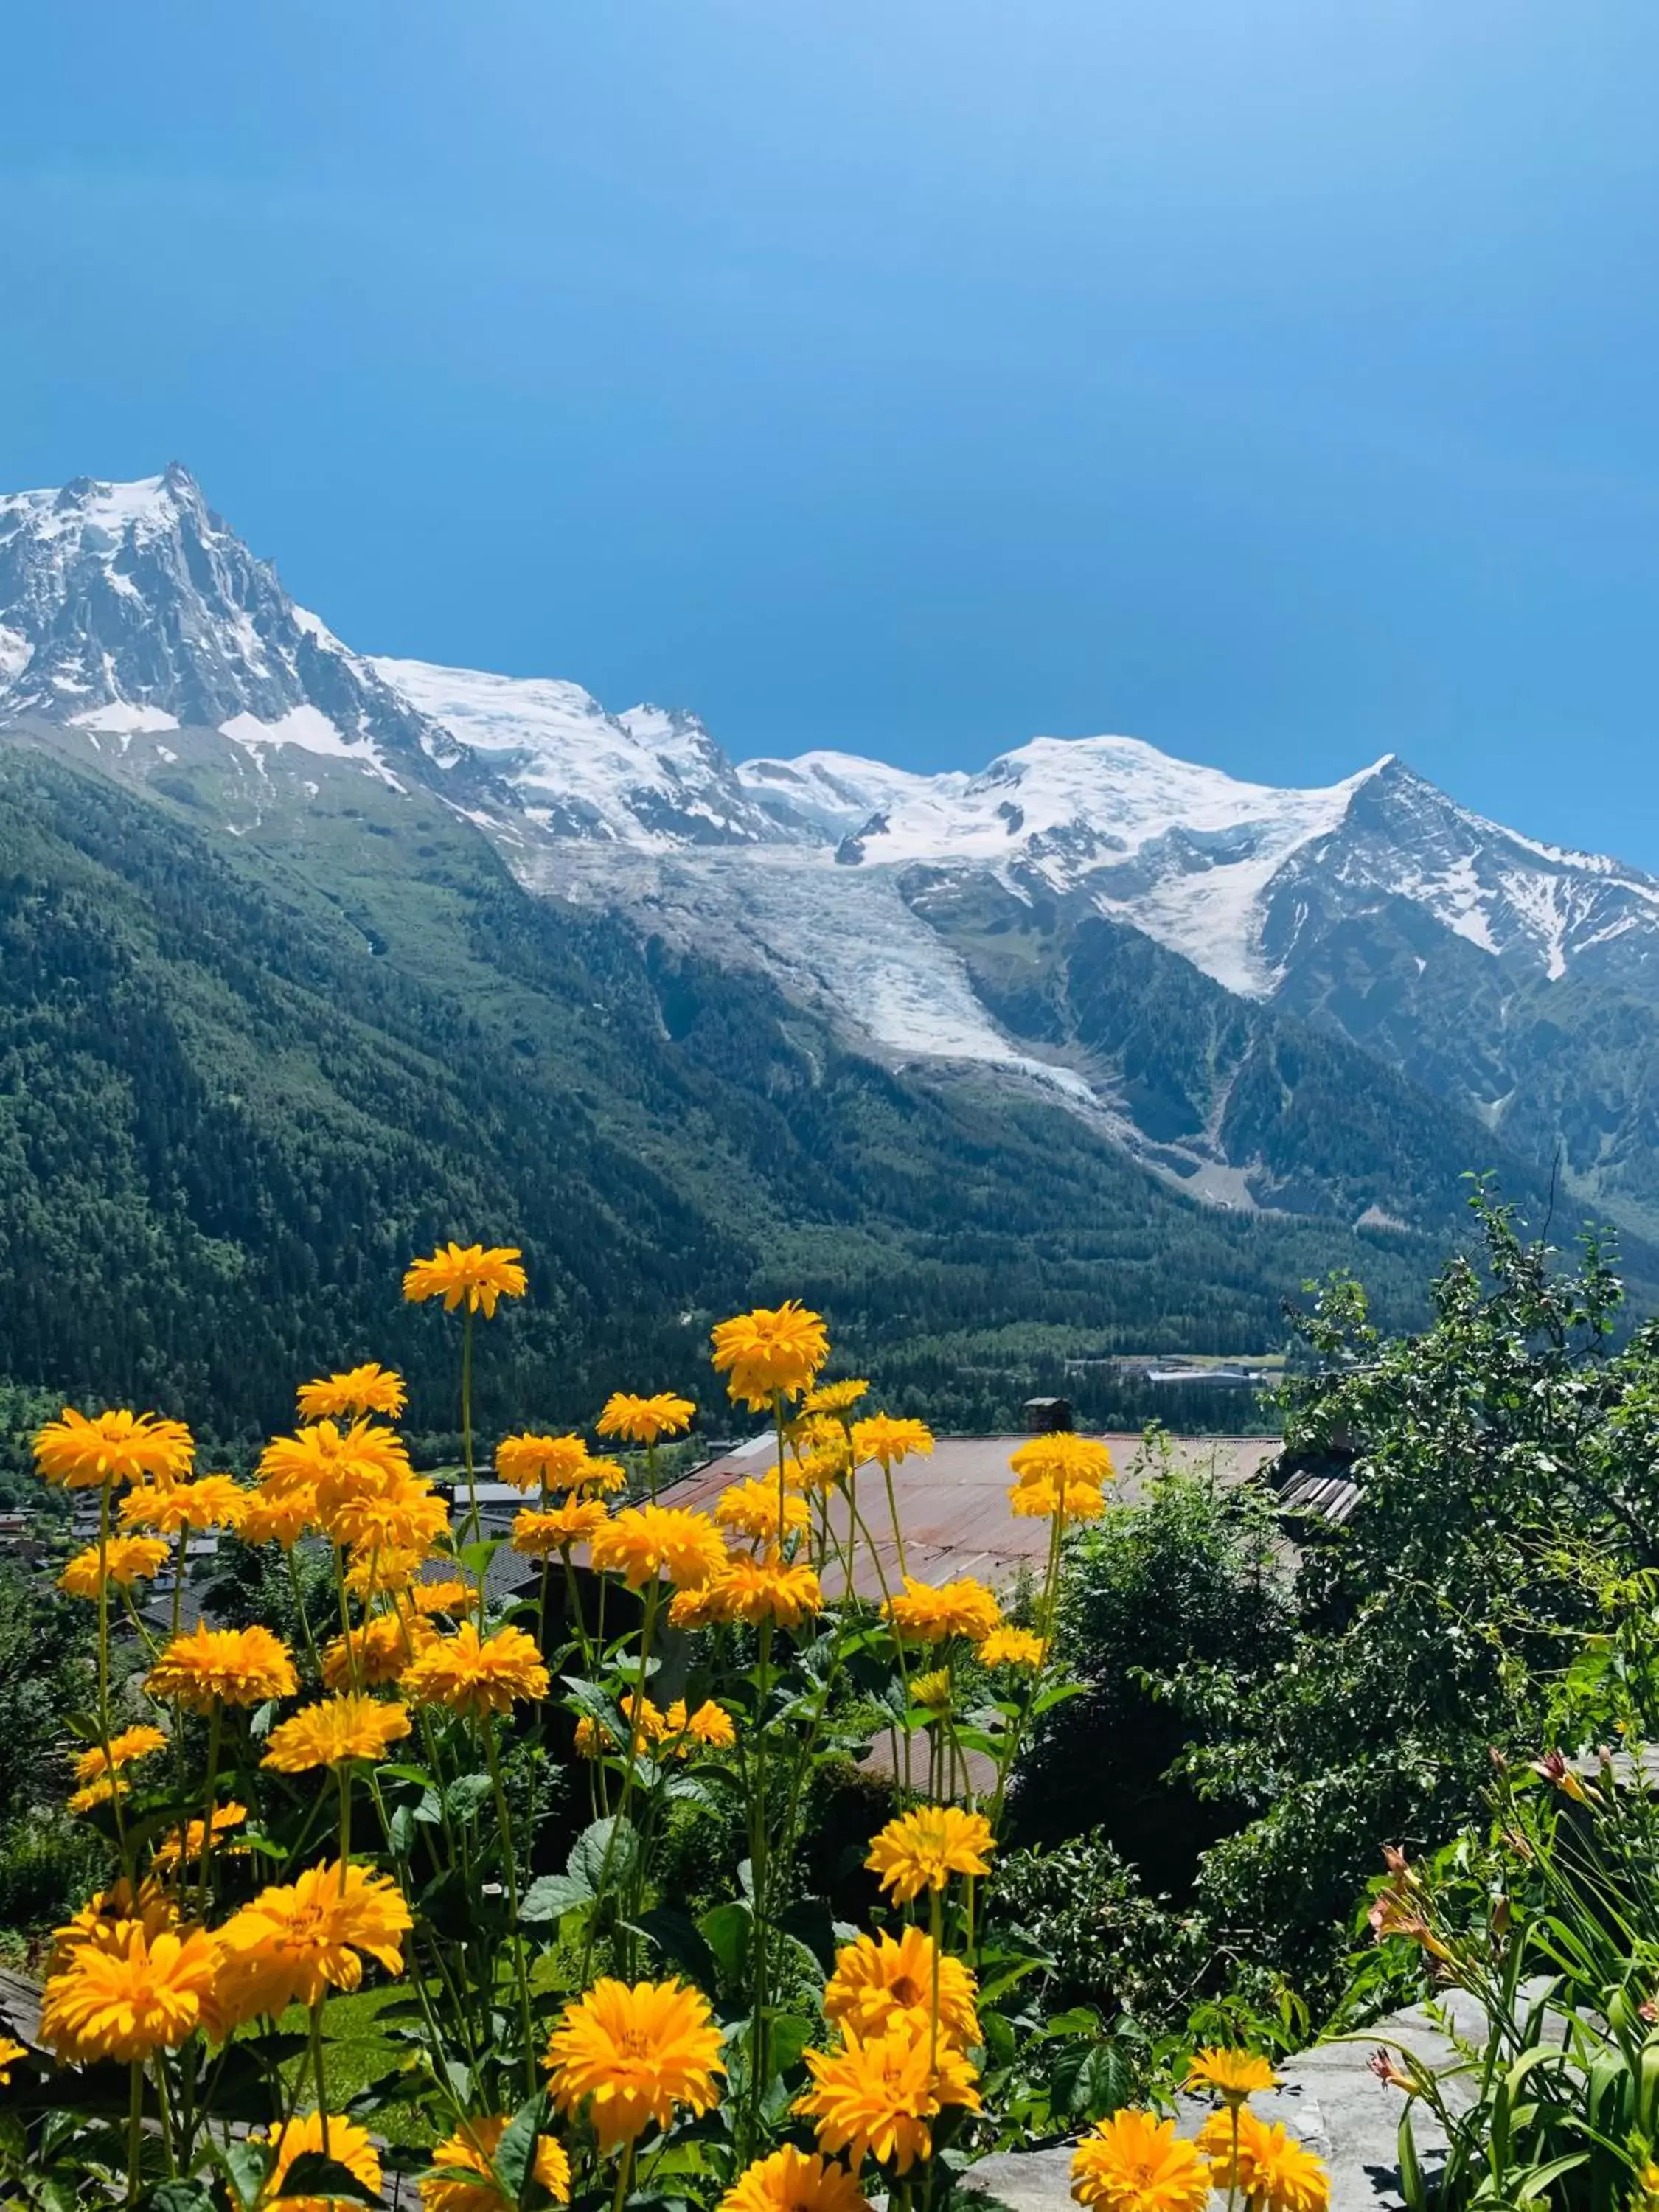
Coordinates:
x,y
647,778
122,602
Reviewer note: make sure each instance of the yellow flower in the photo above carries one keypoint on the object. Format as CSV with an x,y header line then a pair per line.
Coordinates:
x,y
539,1534
922,1850
878,1979
643,1541
299,1939
379,1653
129,1996
370,1388
887,1441
750,1508
1012,1647
1042,1499
771,1353
592,1740
404,1515
446,1596
692,1608
222,1666
348,2146
226,1817
470,1272
554,1462
710,1725
10,2051
645,1420
793,2181
213,1501
821,1468
632,2055
835,1397
1063,1457
879,2093
758,1589
921,1614
647,1722
130,1744
380,1569
1275,2174
125,1559
1231,2073
475,1674
104,1920
101,1792
333,1731
335,1463
469,2152
116,1446
933,1689
1135,2162
273,1518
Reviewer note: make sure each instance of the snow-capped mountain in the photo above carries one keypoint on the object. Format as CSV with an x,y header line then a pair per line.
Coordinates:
x,y
136,625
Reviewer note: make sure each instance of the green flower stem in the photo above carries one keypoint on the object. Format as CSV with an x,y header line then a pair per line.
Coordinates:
x,y
215,1725
103,1680
892,1508
623,2174
135,2129
317,2068
936,1930
342,1775
474,1525
295,1585
760,2039
510,1868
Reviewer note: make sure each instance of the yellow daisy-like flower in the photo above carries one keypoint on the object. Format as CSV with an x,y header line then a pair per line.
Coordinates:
x,y
406,1515
212,1501
879,2093
370,1388
759,1589
170,1851
1275,2173
336,1463
104,1920
922,1850
693,1609
1231,2073
472,1273
932,1689
1135,2162
529,1460
280,1519
632,2055
773,1351
332,1732
1062,1455
645,1420
348,2145
878,1979
115,1447
921,1615
835,1397
750,1508
129,1996
1042,1500
469,2182
887,1441
710,1726
1012,1647
379,1570
448,1596
646,1721
643,1541
131,1744
475,1674
540,1534
10,2051
380,1652
592,1740
101,1792
222,1666
793,2181
821,1468
298,1938
123,1561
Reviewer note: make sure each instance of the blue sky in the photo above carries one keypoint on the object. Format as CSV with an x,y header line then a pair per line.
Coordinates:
x,y
1275,380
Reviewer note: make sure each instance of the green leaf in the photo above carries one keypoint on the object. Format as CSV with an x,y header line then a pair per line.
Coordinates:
x,y
515,2153
790,2036
809,1923
476,1558
550,1896
681,1943
602,1854
467,1795
178,2196
314,2174
725,1930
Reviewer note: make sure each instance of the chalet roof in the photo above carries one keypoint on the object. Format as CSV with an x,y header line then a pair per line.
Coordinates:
x,y
953,1507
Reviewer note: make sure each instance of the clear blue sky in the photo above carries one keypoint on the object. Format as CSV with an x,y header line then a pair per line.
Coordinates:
x,y
1275,379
